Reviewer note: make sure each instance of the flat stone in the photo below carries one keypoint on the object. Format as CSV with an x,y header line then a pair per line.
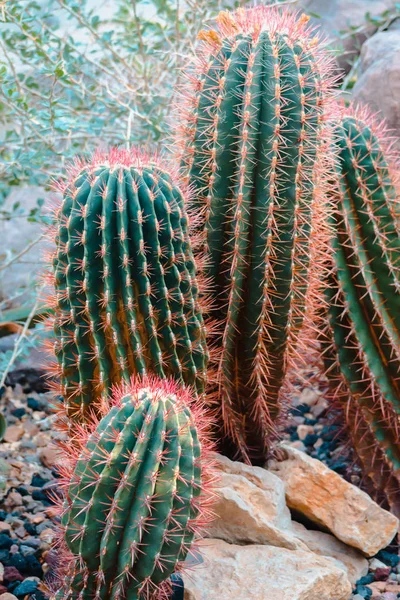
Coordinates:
x,y
325,544
335,505
251,507
254,572
8,596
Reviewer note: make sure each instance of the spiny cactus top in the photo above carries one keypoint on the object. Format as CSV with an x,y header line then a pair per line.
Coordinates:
x,y
365,297
137,489
250,149
126,289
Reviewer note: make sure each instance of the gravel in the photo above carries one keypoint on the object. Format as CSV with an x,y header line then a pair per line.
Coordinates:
x,y
27,474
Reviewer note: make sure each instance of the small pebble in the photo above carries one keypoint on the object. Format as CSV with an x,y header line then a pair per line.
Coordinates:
x,y
5,541
26,587
13,433
13,499
12,574
388,558
27,550
382,573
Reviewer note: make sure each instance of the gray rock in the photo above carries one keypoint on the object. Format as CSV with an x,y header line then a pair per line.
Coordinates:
x,y
339,15
26,550
378,83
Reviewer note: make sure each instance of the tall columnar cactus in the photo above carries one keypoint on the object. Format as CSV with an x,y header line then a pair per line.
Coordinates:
x,y
136,492
126,289
365,299
251,151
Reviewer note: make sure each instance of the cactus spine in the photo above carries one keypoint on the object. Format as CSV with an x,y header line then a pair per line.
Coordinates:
x,y
135,494
250,150
364,299
126,291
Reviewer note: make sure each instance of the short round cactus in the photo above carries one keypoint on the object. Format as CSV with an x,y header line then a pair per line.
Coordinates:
x,y
135,493
126,289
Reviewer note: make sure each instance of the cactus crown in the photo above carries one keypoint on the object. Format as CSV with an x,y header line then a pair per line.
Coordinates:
x,y
126,289
251,151
364,314
137,489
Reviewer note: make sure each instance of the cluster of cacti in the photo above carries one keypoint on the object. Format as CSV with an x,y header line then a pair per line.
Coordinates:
x,y
251,150
126,292
364,314
255,156
136,492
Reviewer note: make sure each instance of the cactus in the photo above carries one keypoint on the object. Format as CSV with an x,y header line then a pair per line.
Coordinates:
x,y
136,492
251,151
126,291
363,343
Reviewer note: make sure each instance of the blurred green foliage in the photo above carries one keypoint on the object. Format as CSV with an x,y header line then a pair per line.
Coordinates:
x,y
74,77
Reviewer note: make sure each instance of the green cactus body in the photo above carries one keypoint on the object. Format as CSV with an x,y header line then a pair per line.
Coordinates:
x,y
365,300
127,297
135,495
250,152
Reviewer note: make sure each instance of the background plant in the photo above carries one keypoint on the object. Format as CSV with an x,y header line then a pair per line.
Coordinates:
x,y
73,78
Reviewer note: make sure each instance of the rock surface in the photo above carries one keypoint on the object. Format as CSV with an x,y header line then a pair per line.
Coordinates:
x,y
334,504
257,572
380,70
337,16
251,507
324,544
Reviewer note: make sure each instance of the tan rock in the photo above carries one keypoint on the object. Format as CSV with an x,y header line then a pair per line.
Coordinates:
x,y
324,544
13,433
309,396
48,456
304,430
31,428
231,572
13,499
7,596
37,518
334,504
251,507
4,527
377,587
47,535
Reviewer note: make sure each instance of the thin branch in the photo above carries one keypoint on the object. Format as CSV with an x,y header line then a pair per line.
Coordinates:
x,y
20,254
20,339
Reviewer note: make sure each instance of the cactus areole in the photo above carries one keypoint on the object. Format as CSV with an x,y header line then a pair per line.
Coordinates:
x,y
364,315
136,495
126,291
250,151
